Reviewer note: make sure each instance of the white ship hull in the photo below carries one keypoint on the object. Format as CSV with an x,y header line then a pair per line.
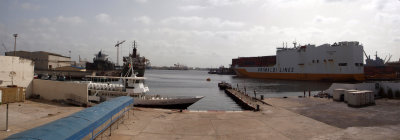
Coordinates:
x,y
343,61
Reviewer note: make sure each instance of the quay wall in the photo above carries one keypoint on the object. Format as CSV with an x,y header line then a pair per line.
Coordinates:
x,y
58,90
23,69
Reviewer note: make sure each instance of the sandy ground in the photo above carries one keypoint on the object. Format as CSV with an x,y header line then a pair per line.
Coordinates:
x,y
30,114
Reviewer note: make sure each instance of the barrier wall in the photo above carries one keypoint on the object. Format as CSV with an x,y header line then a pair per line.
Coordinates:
x,y
23,69
60,90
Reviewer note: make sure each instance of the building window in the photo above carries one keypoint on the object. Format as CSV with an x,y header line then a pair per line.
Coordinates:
x,y
359,64
342,64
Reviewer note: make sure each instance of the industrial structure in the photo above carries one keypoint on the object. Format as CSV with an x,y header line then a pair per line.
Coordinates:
x,y
43,60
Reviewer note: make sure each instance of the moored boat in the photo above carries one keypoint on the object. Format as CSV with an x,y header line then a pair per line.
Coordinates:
x,y
133,86
341,61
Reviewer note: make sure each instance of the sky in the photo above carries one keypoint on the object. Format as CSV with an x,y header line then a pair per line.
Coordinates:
x,y
196,33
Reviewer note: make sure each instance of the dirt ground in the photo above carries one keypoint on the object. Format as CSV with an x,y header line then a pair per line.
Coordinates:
x,y
30,114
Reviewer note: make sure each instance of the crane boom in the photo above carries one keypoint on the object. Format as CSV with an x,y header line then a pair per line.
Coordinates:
x,y
366,55
117,45
390,56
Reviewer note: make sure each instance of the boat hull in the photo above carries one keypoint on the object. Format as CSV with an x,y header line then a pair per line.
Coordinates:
x,y
167,103
301,76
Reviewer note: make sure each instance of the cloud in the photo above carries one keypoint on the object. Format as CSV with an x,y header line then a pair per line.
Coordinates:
x,y
141,1
44,21
104,18
69,20
388,18
396,39
229,2
143,19
29,6
191,7
324,20
196,22
203,31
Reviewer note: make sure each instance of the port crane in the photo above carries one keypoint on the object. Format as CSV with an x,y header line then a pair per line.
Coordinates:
x,y
4,46
117,45
390,57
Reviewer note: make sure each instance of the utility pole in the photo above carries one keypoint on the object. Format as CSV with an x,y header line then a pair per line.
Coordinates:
x,y
15,44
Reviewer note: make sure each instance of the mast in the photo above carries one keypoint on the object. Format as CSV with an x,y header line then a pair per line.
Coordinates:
x,y
134,50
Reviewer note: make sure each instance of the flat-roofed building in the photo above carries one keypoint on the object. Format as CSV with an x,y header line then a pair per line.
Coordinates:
x,y
43,60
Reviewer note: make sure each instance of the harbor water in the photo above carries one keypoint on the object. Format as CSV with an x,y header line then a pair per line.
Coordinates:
x,y
193,83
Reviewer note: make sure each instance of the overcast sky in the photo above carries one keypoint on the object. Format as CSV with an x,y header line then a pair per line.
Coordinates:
x,y
198,33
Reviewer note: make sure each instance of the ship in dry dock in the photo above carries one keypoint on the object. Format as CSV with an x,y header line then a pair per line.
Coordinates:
x,y
342,61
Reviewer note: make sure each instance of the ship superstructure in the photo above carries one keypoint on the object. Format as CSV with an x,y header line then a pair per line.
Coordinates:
x,y
100,63
342,61
136,61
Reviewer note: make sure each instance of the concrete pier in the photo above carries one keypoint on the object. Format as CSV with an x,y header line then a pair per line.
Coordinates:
x,y
245,101
285,118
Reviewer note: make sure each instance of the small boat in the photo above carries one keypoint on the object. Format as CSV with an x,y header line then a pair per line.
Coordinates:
x,y
224,85
133,86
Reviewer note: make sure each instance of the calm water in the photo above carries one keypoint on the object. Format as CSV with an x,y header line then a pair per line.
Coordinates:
x,y
193,83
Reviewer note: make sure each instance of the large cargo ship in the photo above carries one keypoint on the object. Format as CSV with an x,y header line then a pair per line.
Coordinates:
x,y
342,61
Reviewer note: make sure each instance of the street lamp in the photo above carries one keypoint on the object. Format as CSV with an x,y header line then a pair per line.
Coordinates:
x,y
15,44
